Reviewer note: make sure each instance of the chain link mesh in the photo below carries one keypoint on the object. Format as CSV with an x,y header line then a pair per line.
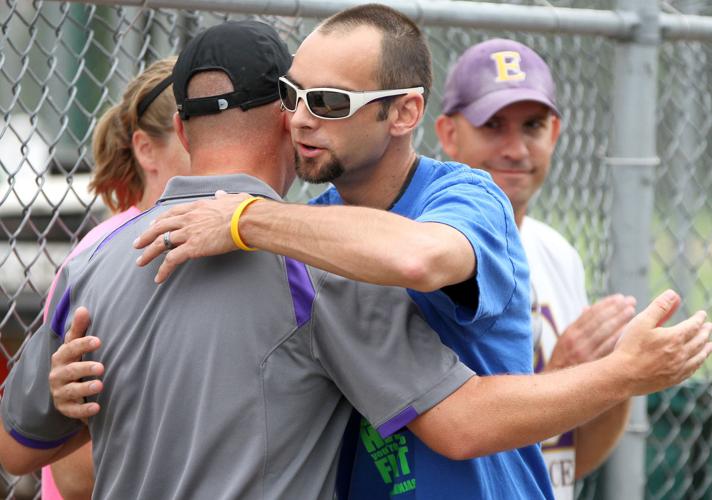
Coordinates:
x,y
63,64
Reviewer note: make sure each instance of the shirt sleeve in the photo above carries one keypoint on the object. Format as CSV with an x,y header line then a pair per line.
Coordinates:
x,y
28,411
482,213
379,351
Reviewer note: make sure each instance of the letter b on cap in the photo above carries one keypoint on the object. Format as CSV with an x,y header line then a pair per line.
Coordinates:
x,y
508,69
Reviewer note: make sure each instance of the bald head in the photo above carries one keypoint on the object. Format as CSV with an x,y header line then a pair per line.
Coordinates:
x,y
231,128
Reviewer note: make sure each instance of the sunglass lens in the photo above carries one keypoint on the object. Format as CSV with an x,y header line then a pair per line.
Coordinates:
x,y
329,104
288,96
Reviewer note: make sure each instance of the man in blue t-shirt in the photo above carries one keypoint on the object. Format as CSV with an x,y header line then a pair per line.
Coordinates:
x,y
445,232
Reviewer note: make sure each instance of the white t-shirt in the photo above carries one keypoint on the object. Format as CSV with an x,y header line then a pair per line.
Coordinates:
x,y
558,298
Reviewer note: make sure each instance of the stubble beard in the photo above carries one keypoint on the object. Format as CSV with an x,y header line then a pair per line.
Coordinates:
x,y
309,171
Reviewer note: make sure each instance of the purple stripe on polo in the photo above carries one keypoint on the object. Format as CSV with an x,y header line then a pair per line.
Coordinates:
x,y
39,445
301,288
123,226
59,318
398,422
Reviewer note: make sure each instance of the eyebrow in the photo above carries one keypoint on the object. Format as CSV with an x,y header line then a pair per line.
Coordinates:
x,y
539,116
335,87
293,80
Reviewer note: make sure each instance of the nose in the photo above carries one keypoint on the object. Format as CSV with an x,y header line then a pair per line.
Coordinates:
x,y
302,118
515,147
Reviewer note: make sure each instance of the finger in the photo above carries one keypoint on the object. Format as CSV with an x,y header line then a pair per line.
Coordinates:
x,y
173,259
608,345
73,372
175,211
697,343
691,327
75,392
80,324
220,193
610,306
702,337
159,226
612,325
79,410
697,360
74,350
158,247
659,310
150,252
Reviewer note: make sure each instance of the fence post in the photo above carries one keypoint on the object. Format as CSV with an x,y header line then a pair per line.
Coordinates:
x,y
632,159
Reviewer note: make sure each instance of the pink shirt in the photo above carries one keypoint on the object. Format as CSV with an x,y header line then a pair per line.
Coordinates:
x,y
49,488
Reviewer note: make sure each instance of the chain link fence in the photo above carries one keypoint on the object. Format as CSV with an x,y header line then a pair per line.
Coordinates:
x,y
62,64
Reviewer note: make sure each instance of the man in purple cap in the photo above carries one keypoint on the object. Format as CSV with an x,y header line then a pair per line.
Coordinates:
x,y
500,115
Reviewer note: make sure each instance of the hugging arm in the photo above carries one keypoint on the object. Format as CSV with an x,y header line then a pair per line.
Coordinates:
x,y
359,243
490,414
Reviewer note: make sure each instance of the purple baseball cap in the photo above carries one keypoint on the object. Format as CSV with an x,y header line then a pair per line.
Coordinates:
x,y
495,74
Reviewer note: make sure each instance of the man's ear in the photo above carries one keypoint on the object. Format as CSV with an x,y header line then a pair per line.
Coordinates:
x,y
143,150
446,131
555,129
179,127
405,113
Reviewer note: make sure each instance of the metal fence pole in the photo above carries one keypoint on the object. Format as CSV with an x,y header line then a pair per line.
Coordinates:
x,y
632,159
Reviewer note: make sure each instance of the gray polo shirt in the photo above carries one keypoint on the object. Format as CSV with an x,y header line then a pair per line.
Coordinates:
x,y
236,378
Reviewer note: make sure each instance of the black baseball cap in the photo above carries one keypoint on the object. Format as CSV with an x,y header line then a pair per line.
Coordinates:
x,y
250,53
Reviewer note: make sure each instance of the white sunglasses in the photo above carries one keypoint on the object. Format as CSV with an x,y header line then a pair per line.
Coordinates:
x,y
333,104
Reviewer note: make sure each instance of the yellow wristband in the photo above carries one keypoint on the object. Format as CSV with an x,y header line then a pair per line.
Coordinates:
x,y
236,220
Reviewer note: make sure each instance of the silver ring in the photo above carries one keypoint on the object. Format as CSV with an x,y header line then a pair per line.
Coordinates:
x,y
167,240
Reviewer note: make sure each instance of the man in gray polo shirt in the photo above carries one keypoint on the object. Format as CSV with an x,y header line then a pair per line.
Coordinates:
x,y
237,379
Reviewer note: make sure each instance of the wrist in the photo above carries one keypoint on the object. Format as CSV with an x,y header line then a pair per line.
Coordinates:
x,y
235,223
254,223
616,367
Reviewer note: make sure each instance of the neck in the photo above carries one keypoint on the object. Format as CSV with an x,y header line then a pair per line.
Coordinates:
x,y
519,214
262,163
378,185
151,192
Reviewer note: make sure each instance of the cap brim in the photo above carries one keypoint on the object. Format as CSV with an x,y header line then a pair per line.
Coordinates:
x,y
482,110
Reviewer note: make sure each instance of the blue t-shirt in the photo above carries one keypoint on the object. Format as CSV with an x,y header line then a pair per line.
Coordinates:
x,y
491,333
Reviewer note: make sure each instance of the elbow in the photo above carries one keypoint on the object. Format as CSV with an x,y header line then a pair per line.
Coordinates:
x,y
421,272
15,466
74,491
459,446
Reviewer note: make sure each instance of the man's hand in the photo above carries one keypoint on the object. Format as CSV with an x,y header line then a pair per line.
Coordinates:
x,y
197,229
656,357
67,390
594,334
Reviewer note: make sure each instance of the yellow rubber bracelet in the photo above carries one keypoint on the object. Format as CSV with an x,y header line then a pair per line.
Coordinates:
x,y
235,221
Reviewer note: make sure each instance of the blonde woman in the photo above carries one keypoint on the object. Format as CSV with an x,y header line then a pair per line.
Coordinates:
x,y
135,152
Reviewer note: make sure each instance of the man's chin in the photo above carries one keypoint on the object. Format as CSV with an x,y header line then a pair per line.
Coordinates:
x,y
315,172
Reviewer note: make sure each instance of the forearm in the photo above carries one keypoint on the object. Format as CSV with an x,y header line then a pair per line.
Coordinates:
x,y
495,413
362,243
19,459
596,439
74,474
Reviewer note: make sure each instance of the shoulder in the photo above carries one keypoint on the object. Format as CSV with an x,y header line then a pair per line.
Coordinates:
x,y
451,180
452,172
103,228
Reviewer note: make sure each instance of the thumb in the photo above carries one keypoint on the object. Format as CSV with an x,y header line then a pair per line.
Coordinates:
x,y
80,324
659,310
220,193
